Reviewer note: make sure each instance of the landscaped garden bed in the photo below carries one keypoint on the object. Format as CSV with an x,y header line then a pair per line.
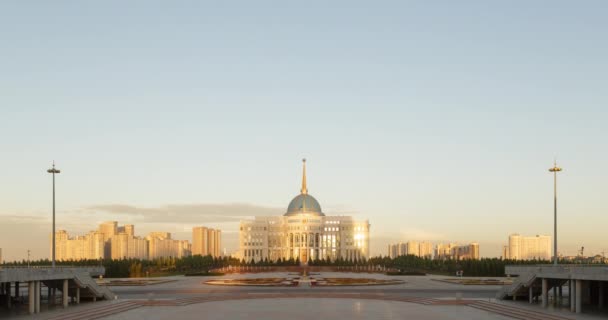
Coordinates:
x,y
321,282
264,282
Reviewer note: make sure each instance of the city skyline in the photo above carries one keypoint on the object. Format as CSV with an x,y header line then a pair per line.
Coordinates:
x,y
436,122
233,247
112,241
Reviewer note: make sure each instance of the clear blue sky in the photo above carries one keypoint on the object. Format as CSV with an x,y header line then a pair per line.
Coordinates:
x,y
434,121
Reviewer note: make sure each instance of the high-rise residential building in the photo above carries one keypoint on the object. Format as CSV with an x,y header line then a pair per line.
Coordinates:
x,y
218,242
111,241
393,250
397,249
445,250
127,246
426,249
456,251
412,248
108,229
130,229
160,244
470,251
184,248
422,249
206,241
89,246
528,248
303,233
200,240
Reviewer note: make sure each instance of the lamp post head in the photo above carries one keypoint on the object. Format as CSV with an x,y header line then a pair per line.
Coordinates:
x,y
53,170
555,168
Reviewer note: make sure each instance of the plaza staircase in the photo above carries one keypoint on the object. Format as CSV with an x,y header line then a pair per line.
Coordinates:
x,y
519,286
84,280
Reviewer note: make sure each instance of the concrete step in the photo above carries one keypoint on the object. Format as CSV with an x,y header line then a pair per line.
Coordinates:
x,y
97,312
514,312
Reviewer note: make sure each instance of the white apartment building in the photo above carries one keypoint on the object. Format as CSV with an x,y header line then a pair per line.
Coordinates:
x,y
528,248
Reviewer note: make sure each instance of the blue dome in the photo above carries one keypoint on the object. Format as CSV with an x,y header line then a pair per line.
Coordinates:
x,y
304,203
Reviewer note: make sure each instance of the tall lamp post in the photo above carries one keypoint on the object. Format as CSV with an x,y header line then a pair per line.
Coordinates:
x,y
53,171
555,170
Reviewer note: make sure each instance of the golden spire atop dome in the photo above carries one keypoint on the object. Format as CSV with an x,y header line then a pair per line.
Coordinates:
x,y
304,190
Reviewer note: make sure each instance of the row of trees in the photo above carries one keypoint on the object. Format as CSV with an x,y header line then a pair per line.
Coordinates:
x,y
204,264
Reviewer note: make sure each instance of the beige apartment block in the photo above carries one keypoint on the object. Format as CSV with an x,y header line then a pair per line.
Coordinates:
x,y
127,246
112,241
89,246
470,251
426,249
206,241
420,249
160,245
528,248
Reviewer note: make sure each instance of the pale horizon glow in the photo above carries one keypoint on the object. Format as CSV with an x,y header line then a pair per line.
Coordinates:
x,y
435,122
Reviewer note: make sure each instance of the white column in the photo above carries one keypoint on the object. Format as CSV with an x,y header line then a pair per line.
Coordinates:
x,y
572,295
530,294
544,292
579,296
31,296
37,302
77,295
65,293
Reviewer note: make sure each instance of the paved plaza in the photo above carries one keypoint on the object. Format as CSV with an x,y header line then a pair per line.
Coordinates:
x,y
414,286
307,308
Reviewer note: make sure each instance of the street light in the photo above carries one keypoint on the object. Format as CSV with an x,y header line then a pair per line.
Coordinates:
x,y
555,170
53,171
